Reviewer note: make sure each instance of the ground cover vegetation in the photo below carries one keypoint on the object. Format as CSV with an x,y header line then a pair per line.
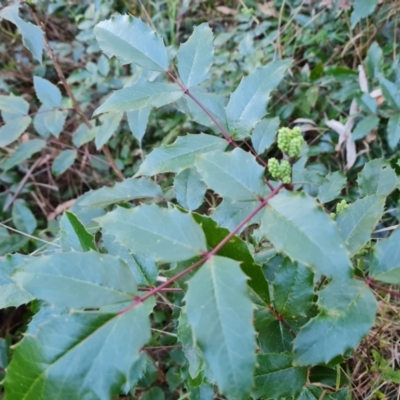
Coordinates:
x,y
199,199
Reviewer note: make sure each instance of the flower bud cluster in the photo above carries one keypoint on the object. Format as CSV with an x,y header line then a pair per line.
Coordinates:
x,y
290,141
282,171
339,208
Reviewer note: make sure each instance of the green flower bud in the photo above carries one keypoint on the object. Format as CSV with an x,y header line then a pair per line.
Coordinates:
x,y
341,206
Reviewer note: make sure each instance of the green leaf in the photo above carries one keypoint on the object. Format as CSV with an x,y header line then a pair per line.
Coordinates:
x,y
127,190
32,35
86,240
385,262
11,295
238,250
77,280
224,332
374,60
14,105
83,135
236,175
63,161
189,189
13,129
377,177
23,218
362,9
331,187
264,134
142,94
364,127
144,269
38,121
315,393
392,130
276,378
293,290
390,92
166,235
297,226
137,120
195,56
48,93
357,222
132,41
11,243
347,313
109,125
68,354
192,354
24,151
247,104
180,154
55,120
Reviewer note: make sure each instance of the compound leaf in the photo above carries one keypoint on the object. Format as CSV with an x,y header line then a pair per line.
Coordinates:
x,y
14,104
220,313
13,129
137,121
109,125
347,313
393,130
48,93
189,189
331,187
86,240
55,120
63,161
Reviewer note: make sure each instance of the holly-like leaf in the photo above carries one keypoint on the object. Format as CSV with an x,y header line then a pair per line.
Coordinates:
x,y
374,60
77,280
293,290
142,94
331,187
109,125
55,120
385,262
48,93
264,134
390,92
247,104
32,35
393,131
23,218
132,41
189,189
13,129
377,177
357,222
297,226
165,235
276,377
180,154
137,121
63,161
236,175
68,353
86,240
347,313
127,190
196,55
220,313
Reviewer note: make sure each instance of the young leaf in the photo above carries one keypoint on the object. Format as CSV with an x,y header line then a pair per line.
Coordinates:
x,y
77,280
220,313
166,235
357,222
276,377
23,152
377,177
23,218
86,240
293,290
132,41
236,175
385,262
69,352
264,134
180,154
238,250
331,187
142,94
137,121
63,161
347,313
109,125
362,9
127,190
55,120
392,130
196,55
189,189
247,104
297,226
48,93
12,130
32,35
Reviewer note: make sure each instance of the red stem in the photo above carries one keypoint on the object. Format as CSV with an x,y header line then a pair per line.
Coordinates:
x,y
207,256
370,282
